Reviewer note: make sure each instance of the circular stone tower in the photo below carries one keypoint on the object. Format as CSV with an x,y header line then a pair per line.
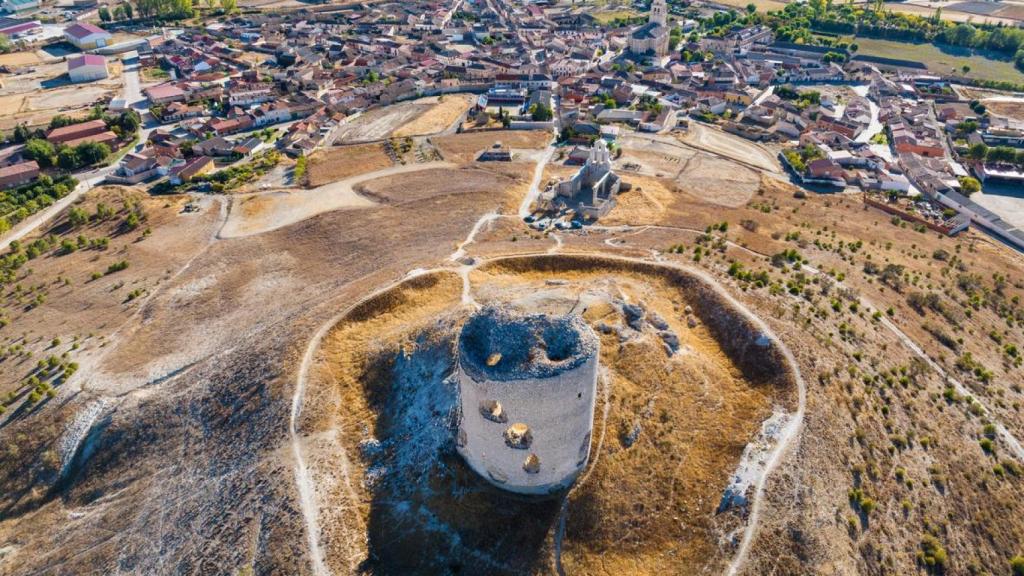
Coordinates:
x,y
526,385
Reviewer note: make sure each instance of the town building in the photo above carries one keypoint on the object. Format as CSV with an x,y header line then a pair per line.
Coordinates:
x,y
18,174
72,132
197,166
164,94
593,189
653,37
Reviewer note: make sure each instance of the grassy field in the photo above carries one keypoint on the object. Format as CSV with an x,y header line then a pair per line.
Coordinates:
x,y
608,16
762,5
942,60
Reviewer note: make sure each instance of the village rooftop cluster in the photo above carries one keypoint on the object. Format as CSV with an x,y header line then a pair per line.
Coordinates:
x,y
245,84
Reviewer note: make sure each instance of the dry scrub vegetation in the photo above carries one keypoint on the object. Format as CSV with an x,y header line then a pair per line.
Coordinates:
x,y
893,457
465,147
346,161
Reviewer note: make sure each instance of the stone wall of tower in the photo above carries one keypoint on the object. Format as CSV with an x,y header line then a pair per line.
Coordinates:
x,y
558,411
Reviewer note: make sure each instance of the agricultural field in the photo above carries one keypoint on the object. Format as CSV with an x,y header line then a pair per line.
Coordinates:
x,y
943,60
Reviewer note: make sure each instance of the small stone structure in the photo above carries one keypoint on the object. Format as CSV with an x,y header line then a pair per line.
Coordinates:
x,y
527,385
496,153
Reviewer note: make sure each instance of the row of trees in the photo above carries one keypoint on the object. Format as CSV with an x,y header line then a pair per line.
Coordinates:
x,y
47,155
125,124
803,22
996,155
20,203
165,9
121,12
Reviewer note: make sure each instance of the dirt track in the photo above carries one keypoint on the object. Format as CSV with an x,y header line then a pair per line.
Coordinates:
x,y
265,211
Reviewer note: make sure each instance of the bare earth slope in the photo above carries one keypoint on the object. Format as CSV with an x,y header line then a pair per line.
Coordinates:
x,y
181,400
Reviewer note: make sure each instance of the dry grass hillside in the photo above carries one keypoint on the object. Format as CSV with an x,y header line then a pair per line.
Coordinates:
x,y
178,399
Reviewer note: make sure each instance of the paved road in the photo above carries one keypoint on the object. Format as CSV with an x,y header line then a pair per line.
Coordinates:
x,y
132,91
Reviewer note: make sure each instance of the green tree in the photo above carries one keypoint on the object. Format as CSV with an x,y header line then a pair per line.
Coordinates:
x,y
41,151
68,159
1001,154
129,121
103,211
22,134
977,151
119,12
229,6
104,14
129,12
77,217
92,152
541,113
751,8
969,185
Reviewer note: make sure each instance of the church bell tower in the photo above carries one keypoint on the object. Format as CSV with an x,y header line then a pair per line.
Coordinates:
x,y
659,12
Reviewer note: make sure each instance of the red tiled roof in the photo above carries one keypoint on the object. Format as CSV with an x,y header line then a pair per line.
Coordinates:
x,y
101,138
65,131
164,91
19,169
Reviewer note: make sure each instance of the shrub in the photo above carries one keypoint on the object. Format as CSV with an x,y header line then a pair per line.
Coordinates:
x,y
987,445
1017,565
117,267
932,554
77,217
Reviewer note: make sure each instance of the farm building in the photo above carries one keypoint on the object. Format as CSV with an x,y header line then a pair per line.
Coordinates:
x,y
15,28
18,174
15,6
87,67
85,36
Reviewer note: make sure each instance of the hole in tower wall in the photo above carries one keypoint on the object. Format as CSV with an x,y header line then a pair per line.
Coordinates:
x,y
493,411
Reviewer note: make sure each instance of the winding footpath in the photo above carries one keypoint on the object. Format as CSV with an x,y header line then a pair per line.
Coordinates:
x,y
538,174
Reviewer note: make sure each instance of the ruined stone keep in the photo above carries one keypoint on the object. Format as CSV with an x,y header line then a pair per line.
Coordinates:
x,y
527,385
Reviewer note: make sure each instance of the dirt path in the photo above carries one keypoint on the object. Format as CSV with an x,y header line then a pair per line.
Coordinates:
x,y
261,212
538,174
307,498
